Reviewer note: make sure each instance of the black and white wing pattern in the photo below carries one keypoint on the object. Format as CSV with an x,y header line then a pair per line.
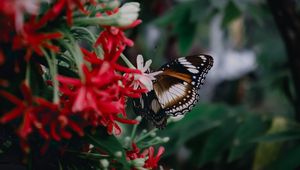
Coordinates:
x,y
177,86
175,89
149,107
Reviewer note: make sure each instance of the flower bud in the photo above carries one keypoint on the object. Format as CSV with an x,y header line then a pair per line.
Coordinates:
x,y
152,134
118,154
128,13
166,139
139,118
139,162
104,163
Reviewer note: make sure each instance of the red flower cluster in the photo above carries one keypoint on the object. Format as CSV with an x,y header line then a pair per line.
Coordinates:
x,y
97,98
50,120
100,97
151,161
61,6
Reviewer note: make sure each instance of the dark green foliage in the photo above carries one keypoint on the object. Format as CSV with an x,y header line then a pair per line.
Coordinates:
x,y
231,131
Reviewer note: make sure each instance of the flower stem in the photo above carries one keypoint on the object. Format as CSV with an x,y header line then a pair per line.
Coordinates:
x,y
74,49
55,81
133,132
103,20
129,64
51,60
146,135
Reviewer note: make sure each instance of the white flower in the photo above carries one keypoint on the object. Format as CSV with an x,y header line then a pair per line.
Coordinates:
x,y
128,13
144,80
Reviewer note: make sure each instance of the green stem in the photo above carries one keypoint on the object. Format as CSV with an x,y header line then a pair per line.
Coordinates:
x,y
133,132
91,35
152,143
146,135
74,49
53,72
104,20
129,64
90,155
54,77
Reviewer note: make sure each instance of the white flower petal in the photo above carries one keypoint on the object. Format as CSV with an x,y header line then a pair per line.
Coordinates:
x,y
139,62
146,82
147,65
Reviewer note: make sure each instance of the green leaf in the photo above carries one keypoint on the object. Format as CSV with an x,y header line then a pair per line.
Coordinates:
x,y
231,12
110,144
279,137
249,129
219,140
289,160
267,152
201,119
185,29
172,15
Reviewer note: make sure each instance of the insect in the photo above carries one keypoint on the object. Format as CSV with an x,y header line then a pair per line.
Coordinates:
x,y
175,90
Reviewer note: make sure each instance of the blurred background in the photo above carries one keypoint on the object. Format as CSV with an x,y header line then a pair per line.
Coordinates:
x,y
249,110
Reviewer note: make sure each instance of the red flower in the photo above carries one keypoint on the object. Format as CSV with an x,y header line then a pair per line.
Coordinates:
x,y
151,161
134,153
34,42
113,38
59,7
15,10
99,98
48,119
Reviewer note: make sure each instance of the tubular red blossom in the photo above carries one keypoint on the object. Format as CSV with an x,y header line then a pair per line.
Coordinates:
x,y
134,153
39,115
91,57
100,98
59,7
151,161
15,10
34,42
126,70
112,39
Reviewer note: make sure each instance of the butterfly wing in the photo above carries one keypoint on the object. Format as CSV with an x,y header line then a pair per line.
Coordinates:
x,y
176,88
148,107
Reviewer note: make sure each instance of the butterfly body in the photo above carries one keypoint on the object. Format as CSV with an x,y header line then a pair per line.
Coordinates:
x,y
175,90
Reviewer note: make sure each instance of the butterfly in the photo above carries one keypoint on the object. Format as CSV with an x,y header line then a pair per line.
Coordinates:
x,y
175,90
